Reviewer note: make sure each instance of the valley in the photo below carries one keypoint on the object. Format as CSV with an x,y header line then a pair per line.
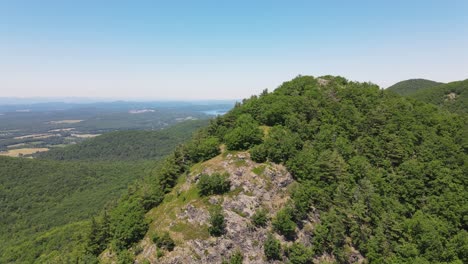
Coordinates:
x,y
47,126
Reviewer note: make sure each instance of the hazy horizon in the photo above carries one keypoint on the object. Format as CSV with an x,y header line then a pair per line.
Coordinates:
x,y
211,50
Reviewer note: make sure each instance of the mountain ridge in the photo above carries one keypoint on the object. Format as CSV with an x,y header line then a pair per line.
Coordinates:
x,y
370,164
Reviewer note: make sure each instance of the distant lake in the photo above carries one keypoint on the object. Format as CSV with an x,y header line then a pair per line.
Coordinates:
x,y
215,112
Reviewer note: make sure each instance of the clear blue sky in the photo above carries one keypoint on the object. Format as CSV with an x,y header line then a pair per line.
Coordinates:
x,y
222,49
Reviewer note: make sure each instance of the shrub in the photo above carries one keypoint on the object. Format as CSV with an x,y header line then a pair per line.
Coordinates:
x,y
164,241
272,248
283,223
213,184
236,258
260,218
299,254
217,222
259,153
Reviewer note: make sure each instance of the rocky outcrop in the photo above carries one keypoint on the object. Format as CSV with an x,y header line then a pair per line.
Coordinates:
x,y
253,186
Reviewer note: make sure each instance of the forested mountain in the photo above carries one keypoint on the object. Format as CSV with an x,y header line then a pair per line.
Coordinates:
x,y
320,170
128,145
411,86
451,96
47,204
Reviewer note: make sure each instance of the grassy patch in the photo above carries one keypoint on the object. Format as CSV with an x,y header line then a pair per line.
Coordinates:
x,y
259,170
190,231
240,163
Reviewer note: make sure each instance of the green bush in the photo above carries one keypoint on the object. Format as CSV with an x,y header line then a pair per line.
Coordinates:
x,y
258,153
299,254
236,258
272,248
260,218
213,184
283,223
217,223
164,241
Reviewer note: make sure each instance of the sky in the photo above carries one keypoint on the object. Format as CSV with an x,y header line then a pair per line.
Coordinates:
x,y
186,50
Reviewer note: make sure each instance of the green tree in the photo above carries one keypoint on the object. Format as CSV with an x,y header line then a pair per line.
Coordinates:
x,y
217,222
128,223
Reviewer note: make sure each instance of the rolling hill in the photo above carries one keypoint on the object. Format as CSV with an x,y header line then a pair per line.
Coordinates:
x,y
408,87
127,145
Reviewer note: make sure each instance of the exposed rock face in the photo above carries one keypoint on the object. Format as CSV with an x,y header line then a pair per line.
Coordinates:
x,y
253,186
249,191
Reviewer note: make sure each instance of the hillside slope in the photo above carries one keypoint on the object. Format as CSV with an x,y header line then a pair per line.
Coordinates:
x,y
378,178
451,96
127,145
411,86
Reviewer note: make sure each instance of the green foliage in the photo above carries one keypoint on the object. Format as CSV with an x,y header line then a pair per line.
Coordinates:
x,y
272,248
236,258
127,223
299,254
217,224
125,257
411,86
281,144
215,183
260,218
39,196
99,235
164,241
451,96
284,224
245,134
203,148
259,153
384,172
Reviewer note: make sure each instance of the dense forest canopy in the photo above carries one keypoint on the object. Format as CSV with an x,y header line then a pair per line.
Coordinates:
x,y
411,86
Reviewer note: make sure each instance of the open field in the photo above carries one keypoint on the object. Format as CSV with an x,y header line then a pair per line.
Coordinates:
x,y
70,121
22,151
36,136
85,135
